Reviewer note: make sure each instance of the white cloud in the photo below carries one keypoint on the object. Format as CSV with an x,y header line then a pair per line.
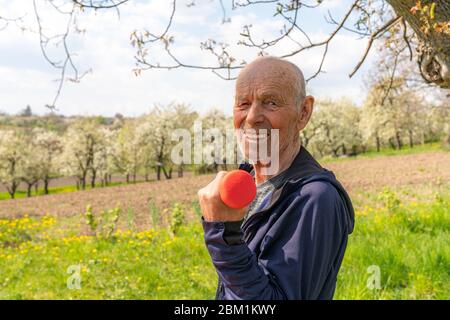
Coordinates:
x,y
25,77
331,4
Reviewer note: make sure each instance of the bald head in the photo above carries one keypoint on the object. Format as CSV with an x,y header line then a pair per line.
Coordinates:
x,y
270,68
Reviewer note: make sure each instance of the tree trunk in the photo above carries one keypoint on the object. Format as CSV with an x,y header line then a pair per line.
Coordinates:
x,y
399,140
411,141
94,176
158,172
13,189
434,48
167,175
29,186
224,164
180,170
46,182
36,188
83,179
364,148
335,152
160,162
378,143
392,144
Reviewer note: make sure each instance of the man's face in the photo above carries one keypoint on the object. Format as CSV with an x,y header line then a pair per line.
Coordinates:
x,y
266,99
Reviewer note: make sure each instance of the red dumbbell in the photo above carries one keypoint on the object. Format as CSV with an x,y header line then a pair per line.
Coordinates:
x,y
237,189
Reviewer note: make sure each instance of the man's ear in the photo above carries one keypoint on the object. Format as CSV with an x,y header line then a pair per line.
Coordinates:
x,y
305,112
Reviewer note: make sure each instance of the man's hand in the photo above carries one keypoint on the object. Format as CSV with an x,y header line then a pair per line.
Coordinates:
x,y
212,206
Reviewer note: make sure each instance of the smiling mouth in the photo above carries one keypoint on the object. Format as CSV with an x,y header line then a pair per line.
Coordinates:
x,y
256,137
253,136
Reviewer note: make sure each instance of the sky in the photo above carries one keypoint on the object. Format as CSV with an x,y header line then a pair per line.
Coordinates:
x,y
111,87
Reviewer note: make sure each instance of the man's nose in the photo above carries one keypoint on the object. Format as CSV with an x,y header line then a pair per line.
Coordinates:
x,y
255,114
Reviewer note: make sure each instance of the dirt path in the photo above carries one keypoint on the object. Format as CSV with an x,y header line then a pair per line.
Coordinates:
x,y
393,171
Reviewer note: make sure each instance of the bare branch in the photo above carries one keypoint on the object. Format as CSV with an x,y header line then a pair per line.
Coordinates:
x,y
368,15
374,35
7,21
224,13
333,21
319,70
100,4
391,79
405,38
154,37
236,4
62,39
250,2
225,61
286,32
140,40
331,36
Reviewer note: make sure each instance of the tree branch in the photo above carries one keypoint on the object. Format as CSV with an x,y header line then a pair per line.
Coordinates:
x,y
374,35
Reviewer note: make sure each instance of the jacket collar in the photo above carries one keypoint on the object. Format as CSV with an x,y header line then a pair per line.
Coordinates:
x,y
302,166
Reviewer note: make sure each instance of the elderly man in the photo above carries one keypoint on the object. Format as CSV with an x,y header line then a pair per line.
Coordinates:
x,y
290,242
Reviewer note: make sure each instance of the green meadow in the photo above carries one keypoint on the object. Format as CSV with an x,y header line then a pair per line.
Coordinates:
x,y
399,250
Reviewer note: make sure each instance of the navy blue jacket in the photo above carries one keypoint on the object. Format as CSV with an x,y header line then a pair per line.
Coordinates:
x,y
292,247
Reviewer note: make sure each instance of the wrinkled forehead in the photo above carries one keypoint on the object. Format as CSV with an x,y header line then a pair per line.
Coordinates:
x,y
264,70
276,74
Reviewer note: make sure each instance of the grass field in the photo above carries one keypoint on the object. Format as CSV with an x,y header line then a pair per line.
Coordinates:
x,y
20,194
401,234
64,185
407,242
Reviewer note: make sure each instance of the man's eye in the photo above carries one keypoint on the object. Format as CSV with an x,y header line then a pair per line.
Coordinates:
x,y
271,103
243,104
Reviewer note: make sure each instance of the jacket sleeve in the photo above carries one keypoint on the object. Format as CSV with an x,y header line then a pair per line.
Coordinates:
x,y
298,253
